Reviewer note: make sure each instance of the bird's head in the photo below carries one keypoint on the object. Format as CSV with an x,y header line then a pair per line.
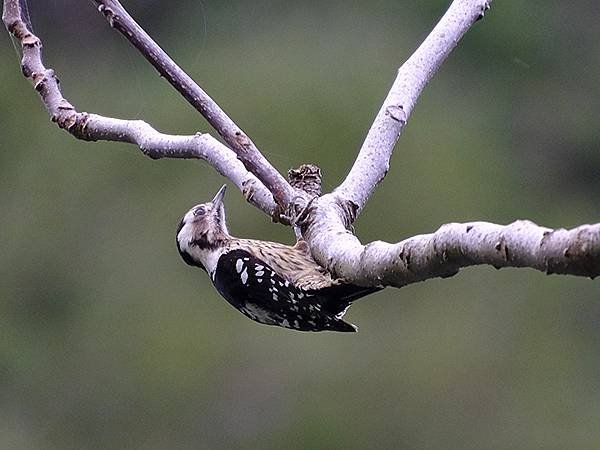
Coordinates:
x,y
203,231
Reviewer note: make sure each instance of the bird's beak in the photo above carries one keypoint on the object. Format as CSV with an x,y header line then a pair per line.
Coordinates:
x,y
218,200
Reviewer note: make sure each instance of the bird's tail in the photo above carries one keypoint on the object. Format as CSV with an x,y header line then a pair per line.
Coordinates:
x,y
340,297
344,327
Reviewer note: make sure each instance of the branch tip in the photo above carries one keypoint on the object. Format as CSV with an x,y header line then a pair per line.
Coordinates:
x,y
92,127
238,141
371,165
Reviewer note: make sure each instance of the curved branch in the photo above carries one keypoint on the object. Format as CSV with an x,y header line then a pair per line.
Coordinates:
x,y
158,145
92,127
239,142
452,247
373,161
327,219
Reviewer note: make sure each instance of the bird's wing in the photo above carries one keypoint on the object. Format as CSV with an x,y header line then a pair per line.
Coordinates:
x,y
253,287
293,263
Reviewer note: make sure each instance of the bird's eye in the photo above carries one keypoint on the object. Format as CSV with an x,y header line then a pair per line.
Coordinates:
x,y
199,211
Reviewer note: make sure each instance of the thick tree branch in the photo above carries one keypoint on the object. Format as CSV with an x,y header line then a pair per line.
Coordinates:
x,y
93,127
325,221
373,161
453,246
239,142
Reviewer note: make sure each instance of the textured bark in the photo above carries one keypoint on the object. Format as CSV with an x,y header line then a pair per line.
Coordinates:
x,y
445,252
325,222
92,127
373,161
306,178
239,142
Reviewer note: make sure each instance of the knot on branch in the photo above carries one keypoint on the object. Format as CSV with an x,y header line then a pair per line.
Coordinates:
x,y
578,255
484,8
306,179
397,113
73,122
109,13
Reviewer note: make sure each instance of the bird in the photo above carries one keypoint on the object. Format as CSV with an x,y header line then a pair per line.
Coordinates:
x,y
268,282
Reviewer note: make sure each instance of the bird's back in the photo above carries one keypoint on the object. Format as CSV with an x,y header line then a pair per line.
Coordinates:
x,y
255,283
294,264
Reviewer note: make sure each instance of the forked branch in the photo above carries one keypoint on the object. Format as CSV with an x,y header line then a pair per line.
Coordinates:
x,y
92,127
239,142
326,222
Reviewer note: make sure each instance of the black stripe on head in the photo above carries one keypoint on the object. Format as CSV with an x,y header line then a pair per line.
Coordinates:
x,y
203,243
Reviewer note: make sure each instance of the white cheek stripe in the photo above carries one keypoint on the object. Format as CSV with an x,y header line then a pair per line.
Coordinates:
x,y
238,265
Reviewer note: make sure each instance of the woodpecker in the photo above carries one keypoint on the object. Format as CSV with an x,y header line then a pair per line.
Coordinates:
x,y
269,282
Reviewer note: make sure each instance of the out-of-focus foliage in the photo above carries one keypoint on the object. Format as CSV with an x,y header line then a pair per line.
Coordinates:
x,y
108,340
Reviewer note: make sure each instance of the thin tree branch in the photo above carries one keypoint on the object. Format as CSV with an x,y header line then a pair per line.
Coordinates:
x,y
326,221
452,247
239,142
92,127
373,161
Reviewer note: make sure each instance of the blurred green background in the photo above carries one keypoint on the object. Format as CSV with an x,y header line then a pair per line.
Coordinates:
x,y
108,340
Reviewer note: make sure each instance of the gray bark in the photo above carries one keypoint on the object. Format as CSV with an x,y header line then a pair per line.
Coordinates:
x,y
325,222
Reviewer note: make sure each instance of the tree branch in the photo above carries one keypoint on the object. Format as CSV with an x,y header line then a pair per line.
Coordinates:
x,y
92,127
453,246
373,161
328,223
239,142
